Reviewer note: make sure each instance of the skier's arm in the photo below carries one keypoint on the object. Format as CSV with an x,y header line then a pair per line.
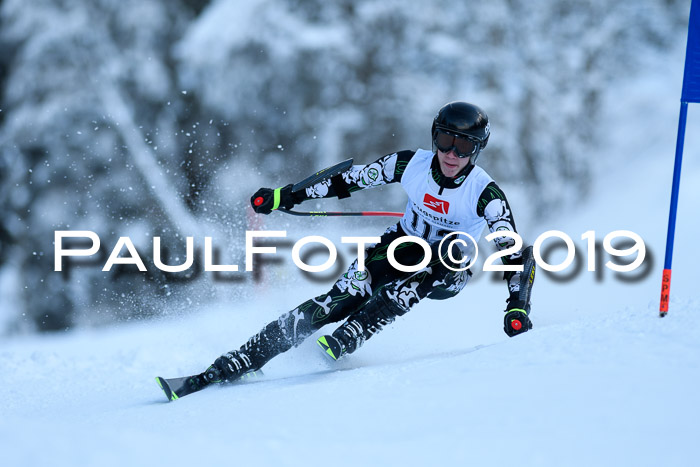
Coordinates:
x,y
494,208
386,169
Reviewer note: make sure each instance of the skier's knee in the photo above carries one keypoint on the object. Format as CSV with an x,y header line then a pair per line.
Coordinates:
x,y
388,306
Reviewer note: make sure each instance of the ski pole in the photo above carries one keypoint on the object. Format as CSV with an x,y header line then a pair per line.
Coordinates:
x,y
344,214
319,176
258,201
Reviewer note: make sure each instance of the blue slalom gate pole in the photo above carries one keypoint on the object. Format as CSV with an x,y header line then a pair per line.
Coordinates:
x,y
690,93
670,234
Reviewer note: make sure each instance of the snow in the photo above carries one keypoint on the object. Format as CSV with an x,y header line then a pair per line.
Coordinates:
x,y
613,390
600,380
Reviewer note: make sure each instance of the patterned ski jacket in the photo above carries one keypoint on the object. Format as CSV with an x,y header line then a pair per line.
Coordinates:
x,y
437,205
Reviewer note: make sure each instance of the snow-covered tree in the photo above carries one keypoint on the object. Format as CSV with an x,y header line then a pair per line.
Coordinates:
x,y
88,87
158,117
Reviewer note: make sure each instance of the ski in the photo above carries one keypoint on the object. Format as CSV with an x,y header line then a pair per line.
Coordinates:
x,y
175,388
331,347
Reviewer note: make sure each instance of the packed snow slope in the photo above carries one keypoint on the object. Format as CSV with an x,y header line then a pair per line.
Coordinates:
x,y
600,380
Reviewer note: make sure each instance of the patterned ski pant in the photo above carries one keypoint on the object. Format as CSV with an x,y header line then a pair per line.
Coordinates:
x,y
354,289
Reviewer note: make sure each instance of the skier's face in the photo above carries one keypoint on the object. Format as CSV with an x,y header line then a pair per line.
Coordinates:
x,y
450,164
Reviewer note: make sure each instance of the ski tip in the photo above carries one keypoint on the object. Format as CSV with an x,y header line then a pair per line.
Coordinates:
x,y
251,375
326,343
166,389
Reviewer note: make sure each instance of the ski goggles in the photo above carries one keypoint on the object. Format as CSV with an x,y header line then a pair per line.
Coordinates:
x,y
463,147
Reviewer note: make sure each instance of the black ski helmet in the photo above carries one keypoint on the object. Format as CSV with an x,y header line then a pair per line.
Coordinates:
x,y
463,119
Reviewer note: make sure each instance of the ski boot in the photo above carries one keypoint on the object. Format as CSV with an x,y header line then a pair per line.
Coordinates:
x,y
229,367
378,312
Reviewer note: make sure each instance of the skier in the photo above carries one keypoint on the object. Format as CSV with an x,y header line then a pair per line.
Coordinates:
x,y
447,193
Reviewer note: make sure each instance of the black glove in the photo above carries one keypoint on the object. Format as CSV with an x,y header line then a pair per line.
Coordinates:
x,y
516,320
263,201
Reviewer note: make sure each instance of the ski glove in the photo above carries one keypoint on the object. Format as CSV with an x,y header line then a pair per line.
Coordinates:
x,y
516,322
266,200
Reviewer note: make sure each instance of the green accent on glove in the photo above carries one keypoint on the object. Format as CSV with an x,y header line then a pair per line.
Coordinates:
x,y
517,309
276,202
